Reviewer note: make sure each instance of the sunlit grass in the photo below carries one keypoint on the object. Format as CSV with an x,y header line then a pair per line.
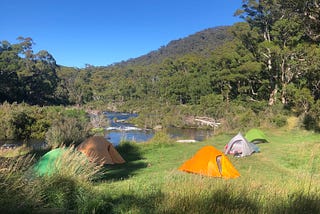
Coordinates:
x,y
283,178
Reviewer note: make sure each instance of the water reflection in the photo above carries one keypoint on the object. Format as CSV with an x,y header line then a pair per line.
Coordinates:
x,y
115,137
192,134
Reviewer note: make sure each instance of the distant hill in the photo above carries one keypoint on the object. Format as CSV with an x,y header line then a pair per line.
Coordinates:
x,y
200,43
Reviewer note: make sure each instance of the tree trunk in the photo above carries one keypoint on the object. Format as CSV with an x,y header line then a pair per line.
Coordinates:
x,y
273,96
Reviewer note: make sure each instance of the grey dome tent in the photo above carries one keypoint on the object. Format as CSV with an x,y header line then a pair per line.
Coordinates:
x,y
240,147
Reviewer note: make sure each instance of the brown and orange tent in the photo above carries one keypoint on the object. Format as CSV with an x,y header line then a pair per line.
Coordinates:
x,y
100,151
210,162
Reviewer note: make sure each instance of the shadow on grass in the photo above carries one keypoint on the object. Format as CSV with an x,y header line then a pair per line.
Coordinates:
x,y
126,203
131,153
220,201
158,202
122,171
299,203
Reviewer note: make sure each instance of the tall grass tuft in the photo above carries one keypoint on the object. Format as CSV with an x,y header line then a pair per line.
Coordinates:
x,y
17,193
69,187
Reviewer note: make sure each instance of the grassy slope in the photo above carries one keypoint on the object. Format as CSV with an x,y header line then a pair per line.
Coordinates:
x,y
283,177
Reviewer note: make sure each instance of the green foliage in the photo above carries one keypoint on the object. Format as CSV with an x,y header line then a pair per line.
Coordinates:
x,y
67,131
275,116
25,76
161,137
279,120
22,121
213,105
271,58
130,151
18,121
302,100
22,125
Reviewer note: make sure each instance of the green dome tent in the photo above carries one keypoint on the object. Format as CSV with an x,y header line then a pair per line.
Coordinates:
x,y
256,136
48,162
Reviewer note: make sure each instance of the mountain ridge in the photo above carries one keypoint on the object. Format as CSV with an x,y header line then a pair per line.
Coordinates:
x,y
202,42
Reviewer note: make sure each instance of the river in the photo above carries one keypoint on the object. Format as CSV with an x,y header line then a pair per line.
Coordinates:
x,y
120,130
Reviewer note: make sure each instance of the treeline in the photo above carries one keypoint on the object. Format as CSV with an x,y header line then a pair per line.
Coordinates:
x,y
27,76
269,60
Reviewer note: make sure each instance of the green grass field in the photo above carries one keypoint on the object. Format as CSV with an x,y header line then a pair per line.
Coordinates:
x,y
283,178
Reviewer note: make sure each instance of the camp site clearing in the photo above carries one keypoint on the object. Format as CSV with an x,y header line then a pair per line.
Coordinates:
x,y
284,172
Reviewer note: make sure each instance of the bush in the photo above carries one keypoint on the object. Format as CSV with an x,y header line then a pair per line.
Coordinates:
x,y
21,123
15,121
161,137
279,120
67,131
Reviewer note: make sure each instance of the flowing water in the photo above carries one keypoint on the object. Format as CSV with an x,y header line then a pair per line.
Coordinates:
x,y
119,130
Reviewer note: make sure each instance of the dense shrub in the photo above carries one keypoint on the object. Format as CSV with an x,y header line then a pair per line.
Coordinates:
x,y
212,105
21,121
279,120
161,137
67,131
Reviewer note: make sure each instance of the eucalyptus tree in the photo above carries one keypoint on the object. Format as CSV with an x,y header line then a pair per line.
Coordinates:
x,y
280,44
234,71
25,75
9,64
40,79
77,84
184,80
309,13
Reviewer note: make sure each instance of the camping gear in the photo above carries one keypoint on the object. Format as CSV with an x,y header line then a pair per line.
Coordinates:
x,y
48,163
210,162
240,147
256,136
100,151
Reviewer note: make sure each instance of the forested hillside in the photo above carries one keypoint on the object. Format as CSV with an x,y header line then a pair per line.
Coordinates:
x,y
201,43
267,65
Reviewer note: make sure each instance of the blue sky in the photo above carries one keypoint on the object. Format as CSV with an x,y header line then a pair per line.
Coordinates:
x,y
102,32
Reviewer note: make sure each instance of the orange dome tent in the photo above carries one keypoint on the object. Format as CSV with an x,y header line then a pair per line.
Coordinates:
x,y
210,162
100,151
